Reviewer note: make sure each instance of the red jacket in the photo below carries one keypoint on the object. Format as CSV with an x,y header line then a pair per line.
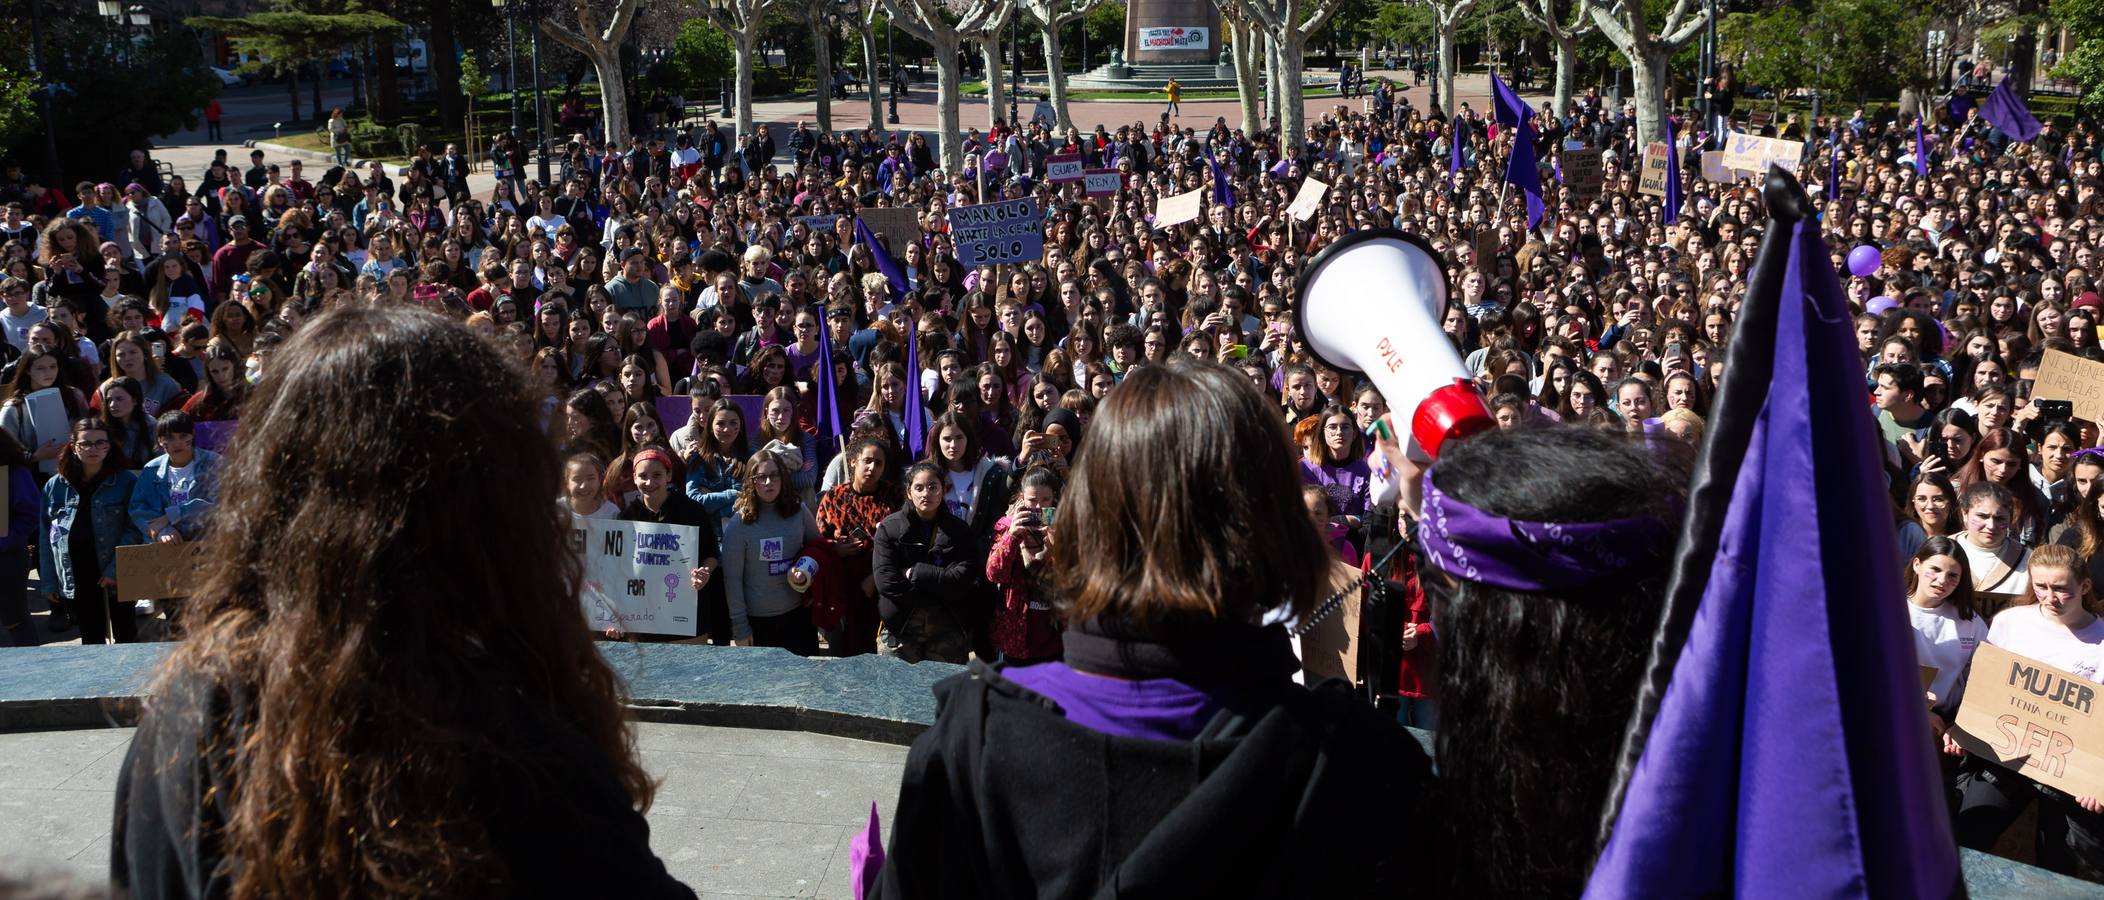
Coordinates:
x,y
1417,674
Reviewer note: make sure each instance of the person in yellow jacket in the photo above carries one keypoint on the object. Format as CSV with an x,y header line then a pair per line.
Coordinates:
x,y
1175,92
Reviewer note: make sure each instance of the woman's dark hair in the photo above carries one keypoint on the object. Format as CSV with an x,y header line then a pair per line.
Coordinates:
x,y
69,465
1961,598
786,503
377,657
20,387
965,424
1184,510
926,467
604,433
1952,521
705,445
175,421
1556,672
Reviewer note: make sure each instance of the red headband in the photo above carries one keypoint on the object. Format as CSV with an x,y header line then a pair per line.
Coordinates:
x,y
653,453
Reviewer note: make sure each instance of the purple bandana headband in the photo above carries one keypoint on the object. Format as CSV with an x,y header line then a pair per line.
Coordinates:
x,y
1533,557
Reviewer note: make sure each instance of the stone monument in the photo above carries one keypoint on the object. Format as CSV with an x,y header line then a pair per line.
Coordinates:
x,y
1172,31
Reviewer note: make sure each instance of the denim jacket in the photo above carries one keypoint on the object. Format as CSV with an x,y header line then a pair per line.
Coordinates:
x,y
113,526
150,499
714,486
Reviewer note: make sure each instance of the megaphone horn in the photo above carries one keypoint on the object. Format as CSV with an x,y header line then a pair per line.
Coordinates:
x,y
1371,303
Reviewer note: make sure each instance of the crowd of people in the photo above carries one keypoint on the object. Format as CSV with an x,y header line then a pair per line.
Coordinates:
x,y
898,489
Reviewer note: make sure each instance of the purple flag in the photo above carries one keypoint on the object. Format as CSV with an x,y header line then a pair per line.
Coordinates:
x,y
885,264
1833,171
1787,756
1921,150
2005,109
1673,198
1223,190
1521,169
1454,159
824,391
916,415
865,856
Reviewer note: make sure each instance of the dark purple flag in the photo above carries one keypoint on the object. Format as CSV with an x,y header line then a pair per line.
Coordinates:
x,y
1787,756
1522,171
2005,109
916,415
885,263
1921,150
1672,200
1223,189
826,392
865,856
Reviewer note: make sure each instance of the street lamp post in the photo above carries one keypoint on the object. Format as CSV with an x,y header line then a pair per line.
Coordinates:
x,y
540,108
1015,70
891,73
511,59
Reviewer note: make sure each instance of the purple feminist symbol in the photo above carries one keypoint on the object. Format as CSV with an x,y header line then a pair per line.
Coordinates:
x,y
671,587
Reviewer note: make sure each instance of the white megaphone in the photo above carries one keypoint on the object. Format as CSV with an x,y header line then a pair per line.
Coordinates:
x,y
1372,303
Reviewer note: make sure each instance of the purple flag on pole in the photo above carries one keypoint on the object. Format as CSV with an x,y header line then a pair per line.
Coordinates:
x,y
1833,171
1522,170
865,856
2005,109
1454,158
916,415
825,392
1769,671
1223,190
1672,199
1921,150
885,263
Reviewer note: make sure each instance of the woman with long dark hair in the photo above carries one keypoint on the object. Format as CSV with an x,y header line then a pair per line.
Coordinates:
x,y
1172,732
848,516
1940,606
367,701
220,394
86,518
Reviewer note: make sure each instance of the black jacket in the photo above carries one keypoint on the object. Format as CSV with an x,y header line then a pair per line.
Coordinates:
x,y
555,812
919,563
1298,793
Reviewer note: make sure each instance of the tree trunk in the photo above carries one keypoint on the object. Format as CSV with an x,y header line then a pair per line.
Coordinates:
x,y
1293,112
869,75
1056,78
445,66
996,78
1274,85
1566,74
822,51
1446,70
949,79
606,63
292,91
1249,76
748,42
387,83
320,69
1649,93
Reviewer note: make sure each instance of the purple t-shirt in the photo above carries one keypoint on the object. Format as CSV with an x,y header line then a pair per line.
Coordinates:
x,y
1161,709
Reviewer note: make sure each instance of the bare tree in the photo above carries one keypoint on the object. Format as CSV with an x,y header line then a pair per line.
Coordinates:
x,y
1051,15
743,20
1546,15
1245,42
1628,28
924,19
823,18
867,16
1446,19
597,36
1288,24
988,40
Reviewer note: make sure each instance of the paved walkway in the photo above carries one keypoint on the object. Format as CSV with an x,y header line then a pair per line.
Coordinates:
x,y
739,813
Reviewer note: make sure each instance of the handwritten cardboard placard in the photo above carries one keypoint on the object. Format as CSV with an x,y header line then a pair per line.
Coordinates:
x,y
1101,183
1172,211
1584,174
1061,168
636,575
156,571
895,226
1004,231
1651,178
2033,718
1714,170
1751,153
2065,376
1307,200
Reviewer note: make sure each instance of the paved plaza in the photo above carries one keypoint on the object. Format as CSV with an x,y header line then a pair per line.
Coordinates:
x,y
739,812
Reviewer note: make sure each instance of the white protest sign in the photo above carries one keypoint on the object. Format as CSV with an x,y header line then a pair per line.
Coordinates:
x,y
1308,200
1750,153
822,224
1063,168
1005,231
637,576
1101,182
1178,209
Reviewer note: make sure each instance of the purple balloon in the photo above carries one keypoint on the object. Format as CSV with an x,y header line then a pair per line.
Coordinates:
x,y
1879,304
1864,260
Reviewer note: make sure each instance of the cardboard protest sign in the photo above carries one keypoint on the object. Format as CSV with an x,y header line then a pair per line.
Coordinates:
x,y
1584,174
1101,183
1177,210
1651,177
2033,718
1308,200
1486,243
637,575
1749,153
1714,170
156,571
895,226
2065,376
821,224
1063,167
1005,231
